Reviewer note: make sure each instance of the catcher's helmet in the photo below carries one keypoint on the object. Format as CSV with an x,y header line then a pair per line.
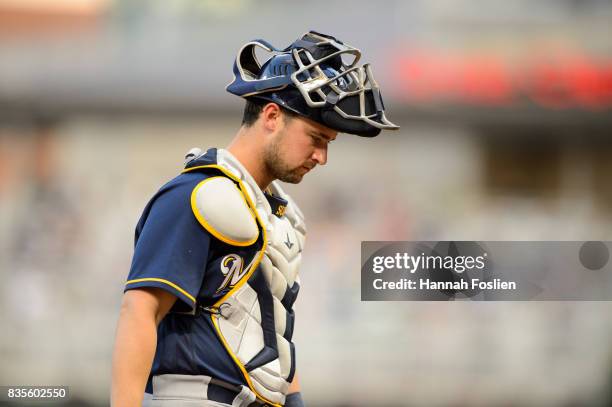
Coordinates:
x,y
317,77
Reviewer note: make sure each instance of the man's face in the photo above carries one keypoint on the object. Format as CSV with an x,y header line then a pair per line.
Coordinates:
x,y
298,146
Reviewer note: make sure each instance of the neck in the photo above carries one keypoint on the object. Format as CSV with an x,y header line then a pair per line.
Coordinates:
x,y
247,147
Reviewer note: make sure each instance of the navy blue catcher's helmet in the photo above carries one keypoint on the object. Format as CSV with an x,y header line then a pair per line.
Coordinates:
x,y
317,77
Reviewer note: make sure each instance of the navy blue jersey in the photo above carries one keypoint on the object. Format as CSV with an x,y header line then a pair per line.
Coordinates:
x,y
174,252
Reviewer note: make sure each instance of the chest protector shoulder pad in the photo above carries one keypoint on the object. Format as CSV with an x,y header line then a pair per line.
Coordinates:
x,y
223,211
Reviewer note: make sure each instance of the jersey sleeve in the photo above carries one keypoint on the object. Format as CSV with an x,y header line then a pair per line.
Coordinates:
x,y
172,248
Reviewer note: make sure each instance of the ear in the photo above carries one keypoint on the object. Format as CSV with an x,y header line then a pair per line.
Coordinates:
x,y
271,116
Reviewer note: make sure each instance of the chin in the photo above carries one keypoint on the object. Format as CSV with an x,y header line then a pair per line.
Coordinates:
x,y
292,178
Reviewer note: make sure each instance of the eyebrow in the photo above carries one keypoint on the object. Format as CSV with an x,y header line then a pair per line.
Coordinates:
x,y
320,134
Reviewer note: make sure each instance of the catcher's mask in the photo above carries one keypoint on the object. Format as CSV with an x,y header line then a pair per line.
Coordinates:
x,y
317,77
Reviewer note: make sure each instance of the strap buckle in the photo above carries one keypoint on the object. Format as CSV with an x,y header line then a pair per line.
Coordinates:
x,y
224,307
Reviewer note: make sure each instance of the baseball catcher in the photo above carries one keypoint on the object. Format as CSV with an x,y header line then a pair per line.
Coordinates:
x,y
207,316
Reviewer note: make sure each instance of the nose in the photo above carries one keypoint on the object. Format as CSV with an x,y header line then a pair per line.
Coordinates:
x,y
319,155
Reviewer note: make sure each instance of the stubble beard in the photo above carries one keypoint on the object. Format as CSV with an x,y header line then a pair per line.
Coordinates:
x,y
277,167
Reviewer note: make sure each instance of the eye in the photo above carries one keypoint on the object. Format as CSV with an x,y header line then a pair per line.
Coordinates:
x,y
318,140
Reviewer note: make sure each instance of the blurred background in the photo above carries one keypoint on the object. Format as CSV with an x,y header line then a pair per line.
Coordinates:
x,y
506,115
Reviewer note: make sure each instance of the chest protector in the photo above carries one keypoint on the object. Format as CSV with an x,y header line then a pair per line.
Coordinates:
x,y
255,319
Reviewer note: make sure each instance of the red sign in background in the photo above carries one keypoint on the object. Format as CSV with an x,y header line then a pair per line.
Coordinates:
x,y
570,81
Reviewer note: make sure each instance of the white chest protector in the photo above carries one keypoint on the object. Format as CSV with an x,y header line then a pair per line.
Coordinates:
x,y
255,321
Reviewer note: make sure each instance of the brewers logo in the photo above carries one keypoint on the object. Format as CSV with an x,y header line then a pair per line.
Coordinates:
x,y
232,267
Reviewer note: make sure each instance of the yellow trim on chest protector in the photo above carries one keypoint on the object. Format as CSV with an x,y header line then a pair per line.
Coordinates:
x,y
209,227
214,316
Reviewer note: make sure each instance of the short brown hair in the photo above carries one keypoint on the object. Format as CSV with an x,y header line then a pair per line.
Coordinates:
x,y
253,108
